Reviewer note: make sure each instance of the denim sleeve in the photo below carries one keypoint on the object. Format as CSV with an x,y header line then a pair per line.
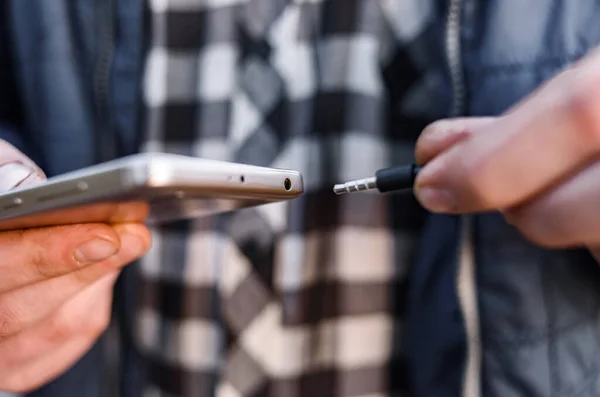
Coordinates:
x,y
10,109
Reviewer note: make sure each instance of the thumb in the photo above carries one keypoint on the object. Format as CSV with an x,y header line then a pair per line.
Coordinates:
x,y
443,134
16,169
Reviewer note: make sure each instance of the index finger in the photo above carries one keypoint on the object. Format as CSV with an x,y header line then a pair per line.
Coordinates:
x,y
441,135
33,255
108,212
550,135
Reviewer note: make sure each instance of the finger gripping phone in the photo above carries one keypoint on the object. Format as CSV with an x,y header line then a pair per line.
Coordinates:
x,y
171,187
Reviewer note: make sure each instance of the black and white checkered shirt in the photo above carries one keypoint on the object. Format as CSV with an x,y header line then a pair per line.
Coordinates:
x,y
304,298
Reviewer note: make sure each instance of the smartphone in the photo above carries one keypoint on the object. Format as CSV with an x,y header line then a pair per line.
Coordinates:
x,y
153,187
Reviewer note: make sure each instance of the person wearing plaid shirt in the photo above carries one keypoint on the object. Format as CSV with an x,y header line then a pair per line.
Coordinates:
x,y
298,298
361,295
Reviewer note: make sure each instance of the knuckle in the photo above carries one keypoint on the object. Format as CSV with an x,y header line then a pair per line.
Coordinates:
x,y
57,259
62,328
67,324
50,250
40,263
10,322
40,256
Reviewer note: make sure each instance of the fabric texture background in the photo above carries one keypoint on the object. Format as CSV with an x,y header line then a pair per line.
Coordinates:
x,y
303,298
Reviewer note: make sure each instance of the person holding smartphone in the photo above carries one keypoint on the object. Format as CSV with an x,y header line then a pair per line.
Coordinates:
x,y
494,290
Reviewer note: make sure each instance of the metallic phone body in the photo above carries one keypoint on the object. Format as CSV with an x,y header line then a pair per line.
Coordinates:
x,y
172,187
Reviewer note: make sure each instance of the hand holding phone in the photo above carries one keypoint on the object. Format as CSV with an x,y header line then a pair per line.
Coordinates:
x,y
151,187
56,282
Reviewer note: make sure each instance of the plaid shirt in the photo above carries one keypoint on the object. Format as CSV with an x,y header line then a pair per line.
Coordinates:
x,y
303,298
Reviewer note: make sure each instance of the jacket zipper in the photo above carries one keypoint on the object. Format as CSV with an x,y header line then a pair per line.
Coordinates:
x,y
105,140
465,282
454,57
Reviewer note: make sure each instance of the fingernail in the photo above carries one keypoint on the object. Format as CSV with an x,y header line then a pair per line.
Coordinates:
x,y
95,251
429,189
435,200
13,174
32,179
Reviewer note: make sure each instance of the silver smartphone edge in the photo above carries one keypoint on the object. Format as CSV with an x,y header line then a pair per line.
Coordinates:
x,y
152,170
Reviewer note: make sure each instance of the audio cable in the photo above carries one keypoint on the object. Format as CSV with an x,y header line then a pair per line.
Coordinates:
x,y
385,180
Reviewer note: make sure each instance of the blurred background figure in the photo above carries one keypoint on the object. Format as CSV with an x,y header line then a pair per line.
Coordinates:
x,y
324,296
299,299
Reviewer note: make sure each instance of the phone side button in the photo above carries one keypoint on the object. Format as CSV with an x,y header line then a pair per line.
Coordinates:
x,y
17,201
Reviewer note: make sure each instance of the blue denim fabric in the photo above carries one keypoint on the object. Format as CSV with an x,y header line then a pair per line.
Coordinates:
x,y
62,136
127,73
539,309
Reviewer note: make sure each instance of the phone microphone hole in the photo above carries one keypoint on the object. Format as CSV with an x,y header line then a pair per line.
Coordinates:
x,y
242,178
287,184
